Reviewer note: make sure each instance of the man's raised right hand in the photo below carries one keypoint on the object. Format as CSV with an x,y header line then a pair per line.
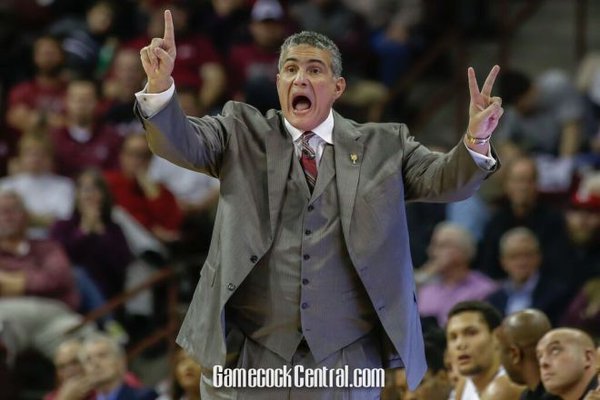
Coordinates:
x,y
158,58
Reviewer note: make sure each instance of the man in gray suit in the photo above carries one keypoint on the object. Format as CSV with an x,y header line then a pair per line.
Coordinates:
x,y
309,263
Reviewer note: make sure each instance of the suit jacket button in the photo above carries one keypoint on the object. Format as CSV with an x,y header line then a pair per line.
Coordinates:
x,y
231,286
254,259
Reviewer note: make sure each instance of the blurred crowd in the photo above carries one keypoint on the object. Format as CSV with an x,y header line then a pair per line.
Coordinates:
x,y
86,210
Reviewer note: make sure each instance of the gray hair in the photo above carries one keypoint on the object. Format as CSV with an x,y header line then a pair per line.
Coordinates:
x,y
463,237
318,41
521,232
99,337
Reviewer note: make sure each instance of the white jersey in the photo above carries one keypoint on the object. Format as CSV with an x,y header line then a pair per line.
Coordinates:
x,y
470,391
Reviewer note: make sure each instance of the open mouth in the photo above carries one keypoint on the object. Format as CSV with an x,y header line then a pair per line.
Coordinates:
x,y
301,103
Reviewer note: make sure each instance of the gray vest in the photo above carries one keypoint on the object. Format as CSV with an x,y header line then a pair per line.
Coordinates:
x,y
306,285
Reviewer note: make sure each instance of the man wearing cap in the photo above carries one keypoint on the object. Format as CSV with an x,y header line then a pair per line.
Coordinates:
x,y
309,263
253,66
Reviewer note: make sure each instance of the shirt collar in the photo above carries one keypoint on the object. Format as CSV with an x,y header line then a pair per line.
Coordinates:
x,y
324,130
528,286
112,395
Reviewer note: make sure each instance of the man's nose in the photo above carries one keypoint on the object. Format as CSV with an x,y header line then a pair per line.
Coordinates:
x,y
300,78
461,344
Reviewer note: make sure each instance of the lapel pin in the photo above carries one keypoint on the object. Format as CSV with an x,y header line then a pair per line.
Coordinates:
x,y
354,158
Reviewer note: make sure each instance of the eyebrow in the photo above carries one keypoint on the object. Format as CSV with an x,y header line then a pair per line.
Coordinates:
x,y
312,60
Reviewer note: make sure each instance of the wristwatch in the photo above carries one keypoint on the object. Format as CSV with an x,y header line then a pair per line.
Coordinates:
x,y
475,140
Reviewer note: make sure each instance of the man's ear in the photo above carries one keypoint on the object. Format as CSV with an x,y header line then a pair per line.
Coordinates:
x,y
590,357
340,87
516,355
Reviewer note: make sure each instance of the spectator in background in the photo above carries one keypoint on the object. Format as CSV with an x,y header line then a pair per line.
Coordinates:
x,y
450,278
568,363
527,286
542,117
37,288
125,78
523,208
104,361
198,64
85,141
345,27
147,201
518,336
90,237
588,83
435,384
72,382
583,229
253,66
187,378
226,22
38,104
364,96
392,24
473,347
89,43
584,310
30,267
47,196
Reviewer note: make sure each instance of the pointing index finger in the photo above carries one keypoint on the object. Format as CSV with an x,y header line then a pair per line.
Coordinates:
x,y
489,81
169,36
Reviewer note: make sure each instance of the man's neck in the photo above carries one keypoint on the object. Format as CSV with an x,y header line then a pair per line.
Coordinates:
x,y
483,379
578,390
455,274
47,80
521,210
109,387
531,375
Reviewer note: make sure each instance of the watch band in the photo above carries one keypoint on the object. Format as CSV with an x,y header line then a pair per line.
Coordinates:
x,y
475,140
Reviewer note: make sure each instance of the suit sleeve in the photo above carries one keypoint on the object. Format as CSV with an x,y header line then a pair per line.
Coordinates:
x,y
194,143
438,177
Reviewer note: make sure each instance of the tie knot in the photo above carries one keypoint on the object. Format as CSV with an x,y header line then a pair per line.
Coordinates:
x,y
306,136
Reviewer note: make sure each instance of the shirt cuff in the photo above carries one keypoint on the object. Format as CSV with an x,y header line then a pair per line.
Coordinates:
x,y
152,103
486,162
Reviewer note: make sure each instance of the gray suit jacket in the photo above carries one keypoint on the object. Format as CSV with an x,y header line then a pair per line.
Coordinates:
x,y
378,167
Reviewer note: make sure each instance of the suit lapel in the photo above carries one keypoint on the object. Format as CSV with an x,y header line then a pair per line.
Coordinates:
x,y
279,149
348,153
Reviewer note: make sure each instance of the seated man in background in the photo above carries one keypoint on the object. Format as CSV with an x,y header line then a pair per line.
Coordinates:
x,y
529,285
473,347
451,279
518,335
147,201
47,196
568,363
37,287
73,383
104,361
436,383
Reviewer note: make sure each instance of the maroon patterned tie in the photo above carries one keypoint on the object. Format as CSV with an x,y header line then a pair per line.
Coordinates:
x,y
308,160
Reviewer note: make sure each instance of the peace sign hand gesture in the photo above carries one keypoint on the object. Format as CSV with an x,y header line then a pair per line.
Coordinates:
x,y
158,58
484,110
